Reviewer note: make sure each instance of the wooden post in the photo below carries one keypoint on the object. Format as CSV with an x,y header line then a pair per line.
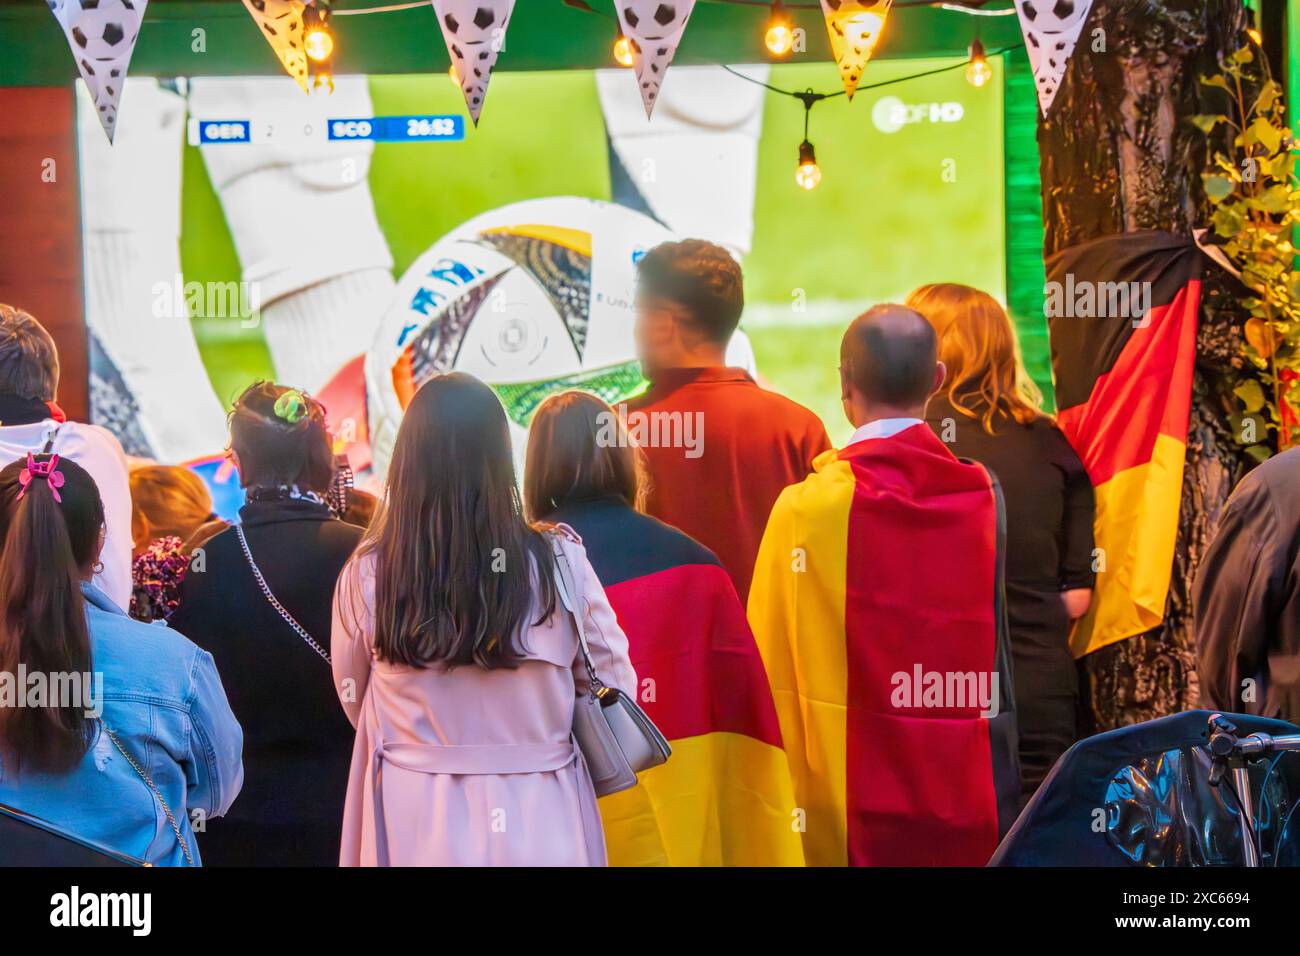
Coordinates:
x,y
40,226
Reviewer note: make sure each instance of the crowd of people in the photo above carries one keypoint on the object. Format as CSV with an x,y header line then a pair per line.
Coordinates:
x,y
859,655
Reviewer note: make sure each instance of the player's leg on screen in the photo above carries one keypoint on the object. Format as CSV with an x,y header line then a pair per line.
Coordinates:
x,y
300,212
131,214
695,167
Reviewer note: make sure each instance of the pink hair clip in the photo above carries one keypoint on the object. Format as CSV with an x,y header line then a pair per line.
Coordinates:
x,y
41,469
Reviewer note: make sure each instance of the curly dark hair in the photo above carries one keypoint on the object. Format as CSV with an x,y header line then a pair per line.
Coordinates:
x,y
281,439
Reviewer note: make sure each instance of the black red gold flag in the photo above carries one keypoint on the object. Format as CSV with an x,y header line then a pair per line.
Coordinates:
x,y
1122,314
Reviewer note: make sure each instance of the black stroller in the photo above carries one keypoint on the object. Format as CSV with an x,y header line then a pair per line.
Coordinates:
x,y
1193,789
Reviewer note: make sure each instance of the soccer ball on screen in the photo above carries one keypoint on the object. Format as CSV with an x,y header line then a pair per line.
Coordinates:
x,y
532,298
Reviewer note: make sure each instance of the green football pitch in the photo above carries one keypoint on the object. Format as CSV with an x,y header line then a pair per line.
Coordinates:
x,y
894,210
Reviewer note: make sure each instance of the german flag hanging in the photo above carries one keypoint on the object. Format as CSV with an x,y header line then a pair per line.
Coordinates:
x,y
725,797
876,608
1121,313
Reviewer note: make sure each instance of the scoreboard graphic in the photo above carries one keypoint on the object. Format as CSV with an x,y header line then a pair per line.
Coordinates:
x,y
378,129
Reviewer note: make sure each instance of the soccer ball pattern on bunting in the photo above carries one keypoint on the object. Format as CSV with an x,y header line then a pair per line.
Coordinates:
x,y
475,33
281,23
102,35
1051,29
655,29
854,28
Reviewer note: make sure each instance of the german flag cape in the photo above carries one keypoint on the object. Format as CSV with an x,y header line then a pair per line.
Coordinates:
x,y
876,608
1122,319
724,798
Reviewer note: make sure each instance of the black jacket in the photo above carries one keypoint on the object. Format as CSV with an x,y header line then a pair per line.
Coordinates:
x,y
1248,596
297,740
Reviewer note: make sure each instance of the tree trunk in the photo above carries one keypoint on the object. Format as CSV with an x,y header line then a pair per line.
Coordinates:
x,y
1118,156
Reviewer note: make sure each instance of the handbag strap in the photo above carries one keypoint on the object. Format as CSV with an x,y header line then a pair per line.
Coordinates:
x,y
51,438
569,597
1001,614
271,599
189,860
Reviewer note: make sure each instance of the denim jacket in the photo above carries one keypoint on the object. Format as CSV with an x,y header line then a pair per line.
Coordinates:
x,y
162,697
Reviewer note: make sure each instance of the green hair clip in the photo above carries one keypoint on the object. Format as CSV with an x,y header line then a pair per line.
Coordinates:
x,y
292,406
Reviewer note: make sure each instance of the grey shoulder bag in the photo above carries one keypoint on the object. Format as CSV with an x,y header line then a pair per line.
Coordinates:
x,y
615,736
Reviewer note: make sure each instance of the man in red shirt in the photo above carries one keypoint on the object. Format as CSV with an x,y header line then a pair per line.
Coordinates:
x,y
718,448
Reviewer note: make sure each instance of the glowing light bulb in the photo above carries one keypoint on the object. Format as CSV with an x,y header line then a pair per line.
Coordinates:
x,y
318,44
808,175
779,39
780,31
978,73
978,70
623,51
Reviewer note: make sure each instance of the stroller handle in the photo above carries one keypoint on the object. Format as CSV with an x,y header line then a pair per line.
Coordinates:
x,y
1257,744
1229,754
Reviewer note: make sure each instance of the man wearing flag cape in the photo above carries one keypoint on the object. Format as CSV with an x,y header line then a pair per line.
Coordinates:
x,y
877,606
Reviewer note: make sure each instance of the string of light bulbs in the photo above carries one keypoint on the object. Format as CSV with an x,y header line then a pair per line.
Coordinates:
x,y
780,37
808,174
975,11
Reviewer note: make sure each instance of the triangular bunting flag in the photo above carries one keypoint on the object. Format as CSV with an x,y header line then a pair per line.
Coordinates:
x,y
654,29
1051,29
475,32
281,23
854,28
102,36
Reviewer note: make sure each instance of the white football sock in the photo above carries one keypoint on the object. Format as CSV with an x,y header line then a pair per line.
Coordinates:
x,y
317,330
301,215
131,194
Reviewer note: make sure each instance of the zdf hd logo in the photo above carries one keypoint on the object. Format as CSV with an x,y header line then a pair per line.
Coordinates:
x,y
890,114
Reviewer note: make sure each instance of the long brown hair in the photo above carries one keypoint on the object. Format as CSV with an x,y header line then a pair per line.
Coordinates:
x,y
979,348
167,501
456,564
578,450
46,548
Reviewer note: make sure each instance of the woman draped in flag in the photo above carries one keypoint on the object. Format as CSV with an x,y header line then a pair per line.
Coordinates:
x,y
725,798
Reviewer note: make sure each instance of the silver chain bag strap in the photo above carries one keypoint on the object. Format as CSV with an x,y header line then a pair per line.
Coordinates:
x,y
275,604
153,787
617,739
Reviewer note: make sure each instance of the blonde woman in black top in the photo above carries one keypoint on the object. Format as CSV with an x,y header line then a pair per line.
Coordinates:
x,y
989,410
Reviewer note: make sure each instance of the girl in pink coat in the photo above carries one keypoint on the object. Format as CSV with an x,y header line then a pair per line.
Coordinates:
x,y
457,663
